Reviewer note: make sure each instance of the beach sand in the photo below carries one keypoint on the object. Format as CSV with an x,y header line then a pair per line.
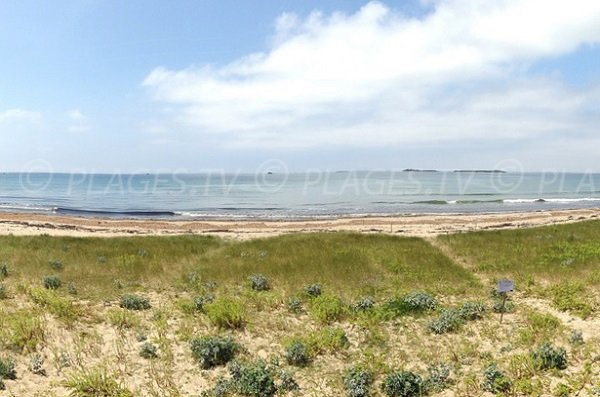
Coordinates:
x,y
406,225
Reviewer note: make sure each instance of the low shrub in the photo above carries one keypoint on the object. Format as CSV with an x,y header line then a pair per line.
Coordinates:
x,y
470,311
437,378
52,282
254,379
294,305
36,364
402,384
226,313
134,302
72,288
327,308
148,351
576,338
494,380
3,291
313,290
258,282
298,353
201,301
419,301
364,304
548,356
357,382
56,265
412,303
211,351
286,382
448,320
7,371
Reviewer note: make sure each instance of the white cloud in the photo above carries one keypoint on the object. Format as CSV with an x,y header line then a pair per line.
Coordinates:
x,y
18,116
377,77
78,122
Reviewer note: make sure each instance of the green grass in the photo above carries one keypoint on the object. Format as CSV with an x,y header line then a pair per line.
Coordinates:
x,y
549,254
95,383
349,265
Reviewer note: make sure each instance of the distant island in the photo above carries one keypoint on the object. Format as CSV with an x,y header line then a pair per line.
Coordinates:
x,y
417,170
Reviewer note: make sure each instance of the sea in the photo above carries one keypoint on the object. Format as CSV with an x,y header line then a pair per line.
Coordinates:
x,y
315,194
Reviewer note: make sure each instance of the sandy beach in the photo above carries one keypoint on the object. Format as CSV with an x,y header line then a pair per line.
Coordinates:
x,y
408,225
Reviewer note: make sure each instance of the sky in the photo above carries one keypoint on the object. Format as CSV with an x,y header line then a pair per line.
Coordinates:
x,y
189,86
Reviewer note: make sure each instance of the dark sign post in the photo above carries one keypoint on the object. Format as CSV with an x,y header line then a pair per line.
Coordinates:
x,y
504,287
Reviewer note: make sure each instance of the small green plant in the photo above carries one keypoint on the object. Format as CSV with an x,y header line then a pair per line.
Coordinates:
x,y
286,382
56,265
123,319
448,320
52,282
364,304
258,282
297,353
95,383
494,380
357,382
226,313
36,364
327,308
571,297
294,305
72,288
201,301
548,356
576,338
135,302
419,301
148,351
313,290
3,291
437,378
402,384
21,330
7,370
56,304
210,351
254,379
3,271
470,311
562,390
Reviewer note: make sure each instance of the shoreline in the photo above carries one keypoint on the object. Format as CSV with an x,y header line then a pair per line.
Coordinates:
x,y
425,225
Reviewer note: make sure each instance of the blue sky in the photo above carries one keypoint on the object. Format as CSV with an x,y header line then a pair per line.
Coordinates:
x,y
192,85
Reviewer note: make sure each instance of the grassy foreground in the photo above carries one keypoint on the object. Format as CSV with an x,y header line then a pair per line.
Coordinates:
x,y
331,314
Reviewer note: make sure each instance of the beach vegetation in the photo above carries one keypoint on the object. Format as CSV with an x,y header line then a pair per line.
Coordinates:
x,y
258,282
96,382
211,351
134,302
226,313
52,282
358,382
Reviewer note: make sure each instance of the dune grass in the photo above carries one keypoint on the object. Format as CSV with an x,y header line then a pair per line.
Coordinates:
x,y
550,254
346,264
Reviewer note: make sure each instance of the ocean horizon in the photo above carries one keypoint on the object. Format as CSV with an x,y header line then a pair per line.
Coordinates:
x,y
300,195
